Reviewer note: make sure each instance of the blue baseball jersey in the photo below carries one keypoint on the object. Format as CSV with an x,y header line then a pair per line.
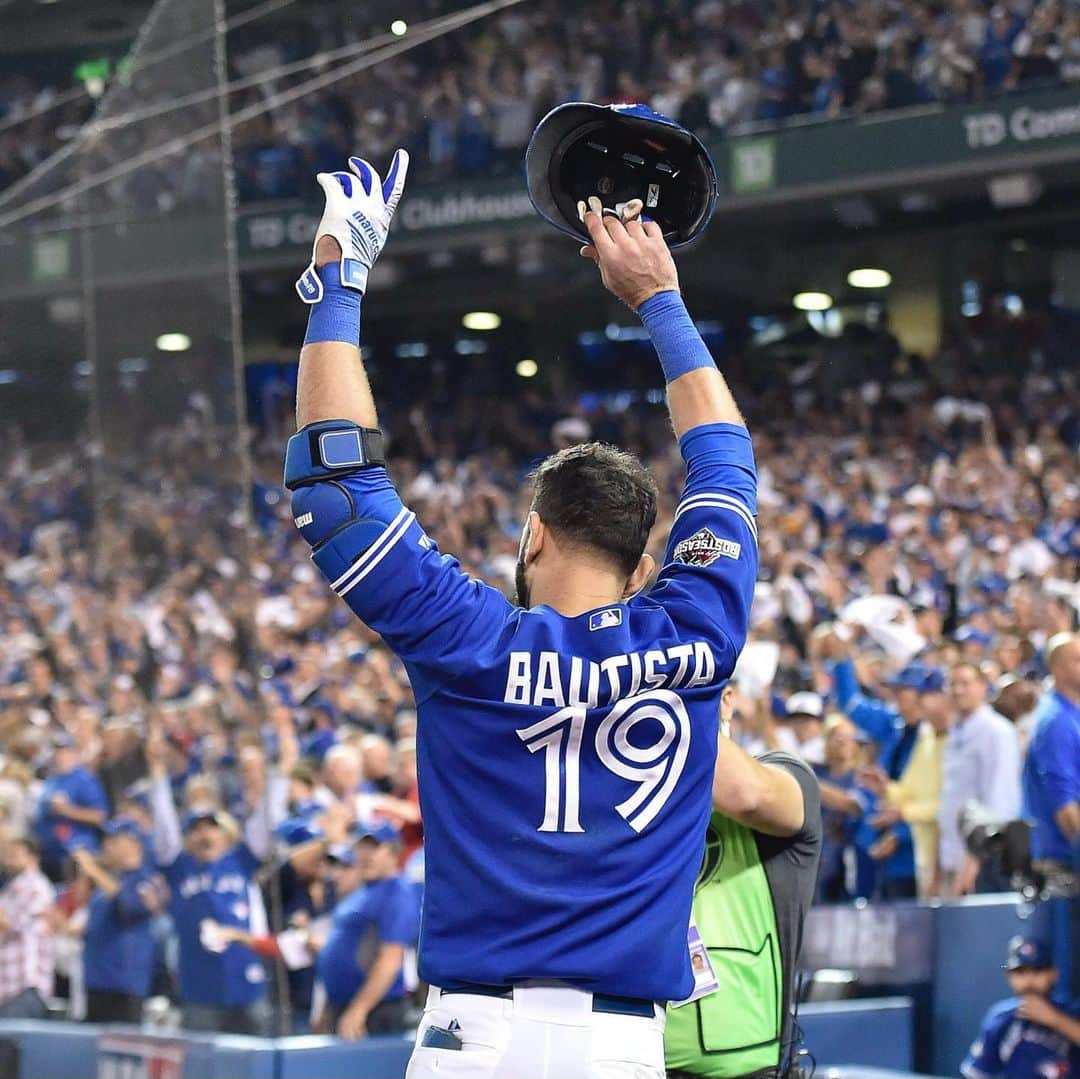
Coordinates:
x,y
120,951
221,891
565,764
383,912
1052,774
1015,1048
57,834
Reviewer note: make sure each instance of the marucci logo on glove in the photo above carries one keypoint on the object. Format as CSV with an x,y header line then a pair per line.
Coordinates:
x,y
703,549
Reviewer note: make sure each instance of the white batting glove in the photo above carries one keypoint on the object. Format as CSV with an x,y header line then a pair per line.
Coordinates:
x,y
359,208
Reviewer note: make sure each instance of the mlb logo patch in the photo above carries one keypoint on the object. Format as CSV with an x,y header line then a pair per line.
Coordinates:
x,y
703,548
608,619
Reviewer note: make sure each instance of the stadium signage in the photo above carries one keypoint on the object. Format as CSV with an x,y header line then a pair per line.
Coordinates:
x,y
136,1056
465,208
270,232
1023,124
423,212
924,144
804,161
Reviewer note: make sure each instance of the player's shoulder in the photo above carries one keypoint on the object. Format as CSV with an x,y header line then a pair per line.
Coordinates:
x,y
1053,722
999,1015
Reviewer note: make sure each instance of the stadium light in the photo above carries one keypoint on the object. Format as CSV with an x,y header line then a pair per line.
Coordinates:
x,y
869,277
481,320
527,368
812,301
399,27
173,342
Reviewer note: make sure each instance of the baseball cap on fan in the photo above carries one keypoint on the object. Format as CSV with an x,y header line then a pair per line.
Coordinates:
x,y
805,704
122,826
200,813
911,677
380,833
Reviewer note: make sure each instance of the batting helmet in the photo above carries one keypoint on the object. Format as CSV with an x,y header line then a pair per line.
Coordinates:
x,y
618,153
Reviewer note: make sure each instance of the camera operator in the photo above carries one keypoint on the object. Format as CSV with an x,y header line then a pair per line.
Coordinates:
x,y
1052,798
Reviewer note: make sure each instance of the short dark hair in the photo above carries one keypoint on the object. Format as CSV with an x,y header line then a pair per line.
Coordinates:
x,y
595,495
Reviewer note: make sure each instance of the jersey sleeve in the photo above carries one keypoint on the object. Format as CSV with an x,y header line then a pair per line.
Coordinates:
x,y
1055,757
399,917
983,1059
876,718
392,576
710,565
247,861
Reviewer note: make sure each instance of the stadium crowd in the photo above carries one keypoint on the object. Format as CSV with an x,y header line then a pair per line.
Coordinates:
x,y
208,771
466,103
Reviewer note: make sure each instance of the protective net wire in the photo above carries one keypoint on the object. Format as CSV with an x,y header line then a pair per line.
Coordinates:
x,y
126,318
128,327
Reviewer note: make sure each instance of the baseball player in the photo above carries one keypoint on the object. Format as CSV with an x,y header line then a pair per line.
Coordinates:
x,y
1034,1034
565,745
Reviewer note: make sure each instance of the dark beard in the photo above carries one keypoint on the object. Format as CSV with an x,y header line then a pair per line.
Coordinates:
x,y
521,589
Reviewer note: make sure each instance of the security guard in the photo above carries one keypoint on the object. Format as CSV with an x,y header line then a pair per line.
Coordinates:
x,y
754,889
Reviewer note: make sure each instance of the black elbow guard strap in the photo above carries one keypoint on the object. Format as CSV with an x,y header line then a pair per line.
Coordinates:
x,y
329,449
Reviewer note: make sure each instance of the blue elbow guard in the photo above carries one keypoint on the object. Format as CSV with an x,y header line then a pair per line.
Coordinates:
x,y
322,510
329,449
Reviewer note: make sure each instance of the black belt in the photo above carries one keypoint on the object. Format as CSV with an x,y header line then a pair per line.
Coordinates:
x,y
601,1002
762,1073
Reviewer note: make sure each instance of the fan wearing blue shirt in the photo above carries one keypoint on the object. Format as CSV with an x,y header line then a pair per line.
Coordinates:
x,y
72,807
845,869
361,963
1035,1032
119,953
894,726
566,744
212,878
1052,795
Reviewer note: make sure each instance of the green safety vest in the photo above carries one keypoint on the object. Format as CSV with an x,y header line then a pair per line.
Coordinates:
x,y
737,1028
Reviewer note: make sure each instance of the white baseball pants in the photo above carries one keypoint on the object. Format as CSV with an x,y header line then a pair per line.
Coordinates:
x,y
543,1032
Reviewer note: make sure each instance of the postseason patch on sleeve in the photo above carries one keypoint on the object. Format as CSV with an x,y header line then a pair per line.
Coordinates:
x,y
703,548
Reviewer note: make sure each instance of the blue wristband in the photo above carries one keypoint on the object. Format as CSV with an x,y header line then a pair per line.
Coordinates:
x,y
336,317
674,335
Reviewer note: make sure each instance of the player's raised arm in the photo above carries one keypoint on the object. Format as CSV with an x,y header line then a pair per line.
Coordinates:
x,y
636,265
332,384
711,559
368,545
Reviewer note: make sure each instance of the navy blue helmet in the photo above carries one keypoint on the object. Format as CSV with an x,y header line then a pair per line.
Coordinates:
x,y
618,153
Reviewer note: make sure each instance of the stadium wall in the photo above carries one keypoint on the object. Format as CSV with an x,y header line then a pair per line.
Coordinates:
x,y
964,941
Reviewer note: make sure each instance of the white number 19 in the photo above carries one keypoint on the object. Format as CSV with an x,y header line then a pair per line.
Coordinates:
x,y
655,768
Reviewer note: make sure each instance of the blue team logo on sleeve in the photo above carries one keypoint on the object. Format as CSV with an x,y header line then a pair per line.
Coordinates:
x,y
608,619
